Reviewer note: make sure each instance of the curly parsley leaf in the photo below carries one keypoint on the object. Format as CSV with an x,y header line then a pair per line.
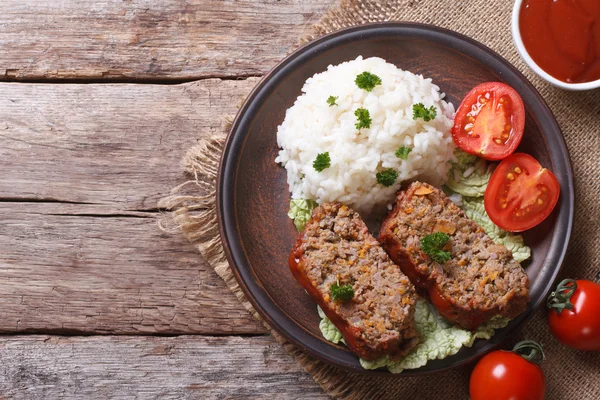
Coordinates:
x,y
367,81
342,293
427,114
331,100
432,245
387,177
363,117
403,152
322,161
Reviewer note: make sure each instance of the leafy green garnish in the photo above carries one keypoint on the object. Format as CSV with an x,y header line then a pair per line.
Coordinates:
x,y
342,293
367,81
469,175
432,245
427,114
464,159
363,117
403,152
300,212
328,329
331,100
387,177
322,161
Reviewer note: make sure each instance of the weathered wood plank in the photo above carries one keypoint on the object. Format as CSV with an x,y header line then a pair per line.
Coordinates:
x,y
148,39
101,272
117,144
184,367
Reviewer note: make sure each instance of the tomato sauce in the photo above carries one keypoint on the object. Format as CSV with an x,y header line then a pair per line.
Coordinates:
x,y
563,37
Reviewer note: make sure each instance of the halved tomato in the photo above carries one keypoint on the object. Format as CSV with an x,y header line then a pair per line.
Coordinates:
x,y
489,122
521,193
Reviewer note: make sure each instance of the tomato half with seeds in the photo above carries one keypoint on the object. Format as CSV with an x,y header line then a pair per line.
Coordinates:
x,y
521,193
489,122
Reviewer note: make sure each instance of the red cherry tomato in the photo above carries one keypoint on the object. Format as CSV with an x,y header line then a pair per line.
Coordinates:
x,y
509,375
489,122
574,315
521,193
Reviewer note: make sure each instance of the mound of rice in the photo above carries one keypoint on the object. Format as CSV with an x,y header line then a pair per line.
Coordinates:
x,y
311,127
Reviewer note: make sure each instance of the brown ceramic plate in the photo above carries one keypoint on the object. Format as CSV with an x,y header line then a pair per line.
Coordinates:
x,y
253,197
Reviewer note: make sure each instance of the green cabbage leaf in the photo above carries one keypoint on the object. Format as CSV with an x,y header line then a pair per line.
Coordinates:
x,y
300,212
469,175
328,329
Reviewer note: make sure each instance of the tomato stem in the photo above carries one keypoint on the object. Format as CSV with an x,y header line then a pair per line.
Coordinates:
x,y
561,297
530,350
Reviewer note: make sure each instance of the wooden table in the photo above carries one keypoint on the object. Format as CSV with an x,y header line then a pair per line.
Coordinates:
x,y
98,103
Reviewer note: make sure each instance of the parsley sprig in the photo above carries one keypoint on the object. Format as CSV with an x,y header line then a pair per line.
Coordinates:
x,y
433,244
322,161
367,81
387,177
403,152
363,117
342,293
427,114
331,100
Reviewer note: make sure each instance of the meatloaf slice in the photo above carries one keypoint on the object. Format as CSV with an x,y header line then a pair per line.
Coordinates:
x,y
337,248
481,279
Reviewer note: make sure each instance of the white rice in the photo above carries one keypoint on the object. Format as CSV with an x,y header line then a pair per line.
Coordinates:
x,y
311,127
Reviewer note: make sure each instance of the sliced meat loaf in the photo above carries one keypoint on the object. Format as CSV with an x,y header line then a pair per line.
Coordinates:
x,y
479,281
336,248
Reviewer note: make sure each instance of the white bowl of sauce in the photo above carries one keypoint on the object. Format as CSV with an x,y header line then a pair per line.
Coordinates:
x,y
560,40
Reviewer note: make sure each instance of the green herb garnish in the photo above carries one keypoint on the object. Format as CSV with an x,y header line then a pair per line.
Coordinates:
x,y
342,293
363,117
427,114
432,246
322,161
367,81
403,152
331,100
387,177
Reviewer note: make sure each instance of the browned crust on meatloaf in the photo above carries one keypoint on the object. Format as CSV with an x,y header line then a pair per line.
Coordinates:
x,y
480,281
336,247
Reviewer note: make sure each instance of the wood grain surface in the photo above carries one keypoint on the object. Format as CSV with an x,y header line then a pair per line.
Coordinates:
x,y
183,367
81,248
72,268
113,144
83,166
148,39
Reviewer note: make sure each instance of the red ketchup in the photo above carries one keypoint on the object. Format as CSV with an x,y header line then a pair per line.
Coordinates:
x,y
563,37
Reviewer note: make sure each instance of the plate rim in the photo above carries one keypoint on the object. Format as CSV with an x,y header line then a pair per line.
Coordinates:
x,y
563,230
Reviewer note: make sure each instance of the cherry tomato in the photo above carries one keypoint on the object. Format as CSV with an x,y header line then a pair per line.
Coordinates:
x,y
574,315
489,122
509,375
521,193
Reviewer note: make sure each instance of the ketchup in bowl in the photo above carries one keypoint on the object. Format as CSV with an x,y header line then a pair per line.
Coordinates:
x,y
563,37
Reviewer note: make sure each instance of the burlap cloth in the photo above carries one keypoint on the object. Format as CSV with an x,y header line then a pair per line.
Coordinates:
x,y
569,374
